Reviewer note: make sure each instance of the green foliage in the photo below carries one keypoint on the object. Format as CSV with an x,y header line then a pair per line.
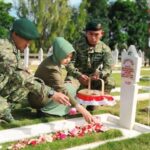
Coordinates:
x,y
77,22
124,22
50,16
5,19
129,23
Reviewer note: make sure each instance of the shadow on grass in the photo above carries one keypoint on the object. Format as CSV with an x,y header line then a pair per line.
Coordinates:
x,y
27,116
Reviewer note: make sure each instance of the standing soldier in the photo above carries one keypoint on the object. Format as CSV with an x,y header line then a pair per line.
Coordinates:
x,y
15,82
93,59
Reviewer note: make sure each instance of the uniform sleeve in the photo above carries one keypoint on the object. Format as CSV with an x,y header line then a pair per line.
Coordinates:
x,y
18,78
107,62
3,80
5,72
33,84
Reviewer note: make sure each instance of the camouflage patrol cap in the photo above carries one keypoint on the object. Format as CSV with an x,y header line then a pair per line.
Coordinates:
x,y
25,29
93,26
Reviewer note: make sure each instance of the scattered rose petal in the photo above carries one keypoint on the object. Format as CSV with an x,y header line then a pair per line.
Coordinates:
x,y
78,131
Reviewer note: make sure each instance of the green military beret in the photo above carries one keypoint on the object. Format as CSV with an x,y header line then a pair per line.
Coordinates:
x,y
93,26
25,29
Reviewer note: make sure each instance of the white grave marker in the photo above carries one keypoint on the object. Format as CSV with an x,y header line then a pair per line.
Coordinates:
x,y
40,55
26,57
130,74
115,54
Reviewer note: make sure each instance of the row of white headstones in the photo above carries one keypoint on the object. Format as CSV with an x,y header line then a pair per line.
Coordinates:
x,y
115,55
131,63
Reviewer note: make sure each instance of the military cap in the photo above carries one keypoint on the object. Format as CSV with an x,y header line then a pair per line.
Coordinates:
x,y
25,29
93,26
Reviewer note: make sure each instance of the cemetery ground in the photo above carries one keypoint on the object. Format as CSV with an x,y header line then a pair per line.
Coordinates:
x,y
27,116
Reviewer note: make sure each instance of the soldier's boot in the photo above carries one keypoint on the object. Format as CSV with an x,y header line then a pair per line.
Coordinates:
x,y
91,108
39,113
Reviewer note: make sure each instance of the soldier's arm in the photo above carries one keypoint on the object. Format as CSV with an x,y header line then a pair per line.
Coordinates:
x,y
107,63
37,86
31,83
6,70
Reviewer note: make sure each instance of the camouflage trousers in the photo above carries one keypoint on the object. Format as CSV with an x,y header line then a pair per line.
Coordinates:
x,y
17,97
5,111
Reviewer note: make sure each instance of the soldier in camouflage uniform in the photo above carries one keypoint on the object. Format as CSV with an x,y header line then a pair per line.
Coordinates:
x,y
94,59
15,82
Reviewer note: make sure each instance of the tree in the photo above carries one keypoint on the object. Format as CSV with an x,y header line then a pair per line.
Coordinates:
x,y
50,17
77,22
129,23
5,19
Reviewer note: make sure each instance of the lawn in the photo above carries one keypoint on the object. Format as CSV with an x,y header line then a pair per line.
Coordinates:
x,y
141,142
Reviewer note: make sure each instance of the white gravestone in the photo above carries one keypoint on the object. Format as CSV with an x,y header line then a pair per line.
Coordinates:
x,y
130,74
26,57
141,54
123,53
50,51
40,55
115,54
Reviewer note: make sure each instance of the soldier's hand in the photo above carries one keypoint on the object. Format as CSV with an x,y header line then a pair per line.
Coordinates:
x,y
95,76
83,79
61,98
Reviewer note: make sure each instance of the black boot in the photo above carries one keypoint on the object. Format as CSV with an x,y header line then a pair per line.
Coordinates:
x,y
91,108
39,113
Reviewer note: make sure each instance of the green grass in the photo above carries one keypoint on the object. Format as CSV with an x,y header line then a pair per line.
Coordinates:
x,y
27,116
140,91
71,142
117,79
141,142
145,72
141,112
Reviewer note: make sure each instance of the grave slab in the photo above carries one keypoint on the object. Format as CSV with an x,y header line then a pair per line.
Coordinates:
x,y
110,121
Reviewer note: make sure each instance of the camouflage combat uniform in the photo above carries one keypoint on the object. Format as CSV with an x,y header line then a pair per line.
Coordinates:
x,y
90,60
15,82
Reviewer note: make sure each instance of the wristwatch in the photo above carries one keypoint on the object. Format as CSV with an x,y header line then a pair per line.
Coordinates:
x,y
51,93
